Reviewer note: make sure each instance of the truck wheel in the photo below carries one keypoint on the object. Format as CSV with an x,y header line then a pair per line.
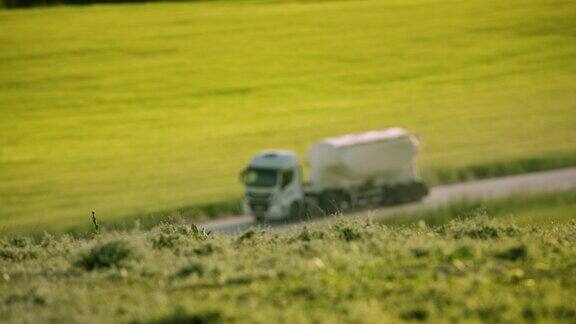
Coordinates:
x,y
295,210
312,210
259,218
334,202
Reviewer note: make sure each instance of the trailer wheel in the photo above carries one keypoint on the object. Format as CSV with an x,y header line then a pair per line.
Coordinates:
x,y
389,196
405,193
419,190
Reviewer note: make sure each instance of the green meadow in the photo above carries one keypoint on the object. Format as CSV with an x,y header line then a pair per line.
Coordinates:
x,y
512,261
133,109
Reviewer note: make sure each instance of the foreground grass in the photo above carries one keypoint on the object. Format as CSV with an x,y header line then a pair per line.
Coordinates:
x,y
131,109
483,269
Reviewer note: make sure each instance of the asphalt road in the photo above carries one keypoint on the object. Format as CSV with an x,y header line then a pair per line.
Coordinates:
x,y
530,183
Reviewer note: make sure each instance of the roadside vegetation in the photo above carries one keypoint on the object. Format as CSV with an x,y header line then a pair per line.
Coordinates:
x,y
137,109
486,267
518,209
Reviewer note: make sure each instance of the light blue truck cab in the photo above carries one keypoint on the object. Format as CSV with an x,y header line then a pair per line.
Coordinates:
x,y
273,187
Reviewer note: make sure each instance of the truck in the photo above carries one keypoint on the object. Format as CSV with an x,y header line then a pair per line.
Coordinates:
x,y
350,172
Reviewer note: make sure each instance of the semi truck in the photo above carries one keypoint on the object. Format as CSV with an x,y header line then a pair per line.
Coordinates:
x,y
346,173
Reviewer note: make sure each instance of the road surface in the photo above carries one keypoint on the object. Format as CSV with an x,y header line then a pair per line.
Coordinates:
x,y
530,183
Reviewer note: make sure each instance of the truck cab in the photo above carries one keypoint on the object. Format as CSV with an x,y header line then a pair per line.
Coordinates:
x,y
273,187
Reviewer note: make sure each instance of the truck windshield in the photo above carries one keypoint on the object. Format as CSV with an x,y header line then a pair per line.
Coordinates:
x,y
260,177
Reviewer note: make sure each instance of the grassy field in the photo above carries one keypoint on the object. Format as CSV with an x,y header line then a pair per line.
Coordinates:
x,y
130,109
483,268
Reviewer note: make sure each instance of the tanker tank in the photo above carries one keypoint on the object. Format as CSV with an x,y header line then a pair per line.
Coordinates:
x,y
385,156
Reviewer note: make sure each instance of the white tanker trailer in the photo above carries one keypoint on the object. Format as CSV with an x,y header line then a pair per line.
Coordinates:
x,y
347,172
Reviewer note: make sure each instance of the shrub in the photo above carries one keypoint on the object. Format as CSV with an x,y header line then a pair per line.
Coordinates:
x,y
163,240
18,249
481,229
347,232
107,255
171,236
420,252
191,269
206,249
183,316
248,236
306,235
35,3
185,230
415,314
513,253
462,252
31,296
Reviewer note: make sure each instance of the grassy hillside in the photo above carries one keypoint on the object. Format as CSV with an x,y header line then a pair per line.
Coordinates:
x,y
129,109
482,269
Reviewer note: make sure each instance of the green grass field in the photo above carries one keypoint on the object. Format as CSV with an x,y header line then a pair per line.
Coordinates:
x,y
130,109
482,269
